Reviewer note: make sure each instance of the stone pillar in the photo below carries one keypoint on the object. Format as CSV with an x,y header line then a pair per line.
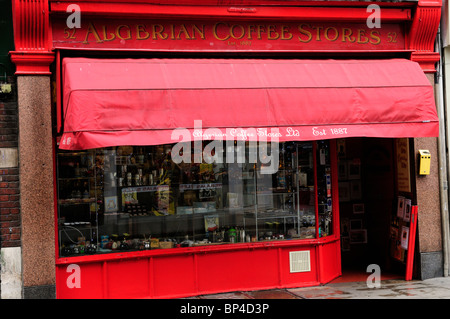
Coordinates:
x,y
32,57
36,186
421,40
429,228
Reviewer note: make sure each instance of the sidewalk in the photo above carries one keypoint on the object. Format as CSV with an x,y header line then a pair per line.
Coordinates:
x,y
436,288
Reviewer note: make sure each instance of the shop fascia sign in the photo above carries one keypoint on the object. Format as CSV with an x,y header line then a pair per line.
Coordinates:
x,y
227,35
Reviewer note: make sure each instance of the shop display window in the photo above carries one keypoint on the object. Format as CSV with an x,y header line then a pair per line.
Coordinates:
x,y
139,198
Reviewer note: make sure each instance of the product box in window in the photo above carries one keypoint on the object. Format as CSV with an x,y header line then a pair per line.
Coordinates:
x,y
185,210
204,207
165,244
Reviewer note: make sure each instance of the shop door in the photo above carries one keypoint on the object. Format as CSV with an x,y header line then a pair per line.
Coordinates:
x,y
366,193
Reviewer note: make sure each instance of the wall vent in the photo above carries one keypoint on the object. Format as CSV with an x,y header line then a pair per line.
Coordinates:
x,y
299,261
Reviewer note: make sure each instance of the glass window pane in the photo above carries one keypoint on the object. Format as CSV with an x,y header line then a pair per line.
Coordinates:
x,y
167,196
306,193
324,188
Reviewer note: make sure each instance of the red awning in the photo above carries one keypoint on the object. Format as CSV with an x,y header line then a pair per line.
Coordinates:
x,y
143,101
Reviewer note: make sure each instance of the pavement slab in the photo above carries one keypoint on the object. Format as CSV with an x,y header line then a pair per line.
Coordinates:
x,y
229,295
435,288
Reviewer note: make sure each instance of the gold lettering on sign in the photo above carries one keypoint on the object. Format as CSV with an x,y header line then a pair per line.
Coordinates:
x,y
327,33
184,31
215,31
105,36
158,31
303,31
285,33
318,32
200,31
127,32
347,35
392,37
375,35
272,34
260,29
362,38
172,31
70,33
235,33
141,32
91,30
250,30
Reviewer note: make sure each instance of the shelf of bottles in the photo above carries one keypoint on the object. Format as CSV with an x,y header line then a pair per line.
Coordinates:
x,y
79,186
276,213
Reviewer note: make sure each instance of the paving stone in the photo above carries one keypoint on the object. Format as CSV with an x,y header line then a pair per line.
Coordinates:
x,y
435,288
230,295
322,292
272,294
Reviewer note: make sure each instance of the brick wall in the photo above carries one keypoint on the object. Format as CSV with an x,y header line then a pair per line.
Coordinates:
x,y
10,227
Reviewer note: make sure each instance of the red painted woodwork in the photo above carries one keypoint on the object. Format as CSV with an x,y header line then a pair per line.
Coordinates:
x,y
246,3
182,272
423,33
226,36
190,271
32,36
191,10
32,63
411,243
32,22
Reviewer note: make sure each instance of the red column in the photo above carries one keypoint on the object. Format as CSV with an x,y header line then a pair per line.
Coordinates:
x,y
32,42
423,32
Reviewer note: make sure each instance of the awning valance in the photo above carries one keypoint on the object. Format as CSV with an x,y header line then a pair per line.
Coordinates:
x,y
157,101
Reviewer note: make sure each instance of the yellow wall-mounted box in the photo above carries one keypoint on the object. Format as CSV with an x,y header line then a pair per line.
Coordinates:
x,y
424,162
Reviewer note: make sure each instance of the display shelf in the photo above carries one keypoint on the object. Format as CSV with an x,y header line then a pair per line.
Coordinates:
x,y
77,197
74,178
76,201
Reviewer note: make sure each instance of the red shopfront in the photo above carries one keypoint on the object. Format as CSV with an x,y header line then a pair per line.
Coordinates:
x,y
196,146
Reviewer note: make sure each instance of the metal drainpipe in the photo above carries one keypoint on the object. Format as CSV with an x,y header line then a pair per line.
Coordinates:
x,y
443,181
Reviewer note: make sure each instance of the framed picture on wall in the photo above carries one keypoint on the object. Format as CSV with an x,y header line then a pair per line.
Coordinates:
x,y
340,145
358,208
355,190
354,169
400,206
344,191
342,170
358,236
407,210
404,237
